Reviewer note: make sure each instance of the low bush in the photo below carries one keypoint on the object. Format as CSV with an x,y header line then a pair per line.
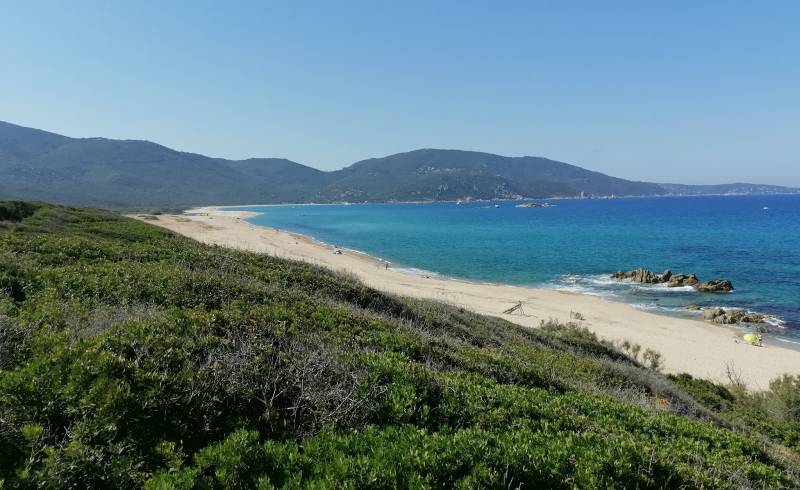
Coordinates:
x,y
132,357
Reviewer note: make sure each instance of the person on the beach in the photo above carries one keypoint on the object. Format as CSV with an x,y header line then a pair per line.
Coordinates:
x,y
386,264
760,341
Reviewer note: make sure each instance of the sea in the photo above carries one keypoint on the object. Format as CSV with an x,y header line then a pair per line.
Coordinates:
x,y
575,245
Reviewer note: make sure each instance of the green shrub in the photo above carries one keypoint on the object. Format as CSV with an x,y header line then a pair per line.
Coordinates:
x,y
15,211
130,356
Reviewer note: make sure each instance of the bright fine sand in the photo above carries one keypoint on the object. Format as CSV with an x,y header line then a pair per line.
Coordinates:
x,y
692,346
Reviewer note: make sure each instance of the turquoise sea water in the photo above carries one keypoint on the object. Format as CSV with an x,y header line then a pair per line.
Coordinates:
x,y
575,245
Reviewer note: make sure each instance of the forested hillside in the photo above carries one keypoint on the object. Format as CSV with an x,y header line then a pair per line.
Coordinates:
x,y
132,174
37,165
133,357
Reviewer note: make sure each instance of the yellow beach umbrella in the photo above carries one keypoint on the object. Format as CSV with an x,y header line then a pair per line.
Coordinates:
x,y
750,338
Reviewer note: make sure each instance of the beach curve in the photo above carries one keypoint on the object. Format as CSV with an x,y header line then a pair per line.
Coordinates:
x,y
692,346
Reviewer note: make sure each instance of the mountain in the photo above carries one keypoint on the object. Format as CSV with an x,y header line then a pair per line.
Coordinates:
x,y
104,172
454,174
130,173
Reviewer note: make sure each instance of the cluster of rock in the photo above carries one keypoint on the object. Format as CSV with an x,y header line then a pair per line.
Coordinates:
x,y
645,276
731,316
715,286
640,275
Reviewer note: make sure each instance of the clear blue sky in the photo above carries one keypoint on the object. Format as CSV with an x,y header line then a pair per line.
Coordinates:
x,y
695,92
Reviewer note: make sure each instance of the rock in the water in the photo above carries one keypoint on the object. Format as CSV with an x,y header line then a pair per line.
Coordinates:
x,y
639,275
646,276
715,286
680,280
726,319
693,307
731,316
711,313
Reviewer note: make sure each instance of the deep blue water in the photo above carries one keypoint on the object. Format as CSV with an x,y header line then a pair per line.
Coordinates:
x,y
752,240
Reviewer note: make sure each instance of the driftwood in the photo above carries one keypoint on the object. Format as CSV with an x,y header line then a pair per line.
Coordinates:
x,y
516,307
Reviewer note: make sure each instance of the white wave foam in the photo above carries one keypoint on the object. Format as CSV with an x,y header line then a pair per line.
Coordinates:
x,y
597,280
774,321
665,309
419,272
647,307
577,289
602,281
660,288
606,281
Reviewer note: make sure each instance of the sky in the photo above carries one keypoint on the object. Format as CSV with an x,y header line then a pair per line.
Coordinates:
x,y
679,91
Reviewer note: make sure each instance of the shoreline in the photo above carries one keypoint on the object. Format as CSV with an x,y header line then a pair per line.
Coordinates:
x,y
771,320
701,349
552,198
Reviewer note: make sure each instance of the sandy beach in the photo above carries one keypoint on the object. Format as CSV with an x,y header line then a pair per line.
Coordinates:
x,y
701,349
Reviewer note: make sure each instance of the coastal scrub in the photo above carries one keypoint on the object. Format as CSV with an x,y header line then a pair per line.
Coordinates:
x,y
131,356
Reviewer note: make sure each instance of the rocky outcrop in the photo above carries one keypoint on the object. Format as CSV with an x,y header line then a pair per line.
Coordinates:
x,y
681,280
645,276
640,275
731,316
716,286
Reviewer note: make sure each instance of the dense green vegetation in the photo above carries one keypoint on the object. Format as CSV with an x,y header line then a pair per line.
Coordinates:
x,y
774,412
133,357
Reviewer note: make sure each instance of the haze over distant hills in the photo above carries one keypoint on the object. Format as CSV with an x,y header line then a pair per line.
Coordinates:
x,y
38,165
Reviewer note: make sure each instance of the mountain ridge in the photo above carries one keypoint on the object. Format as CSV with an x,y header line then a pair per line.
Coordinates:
x,y
132,173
